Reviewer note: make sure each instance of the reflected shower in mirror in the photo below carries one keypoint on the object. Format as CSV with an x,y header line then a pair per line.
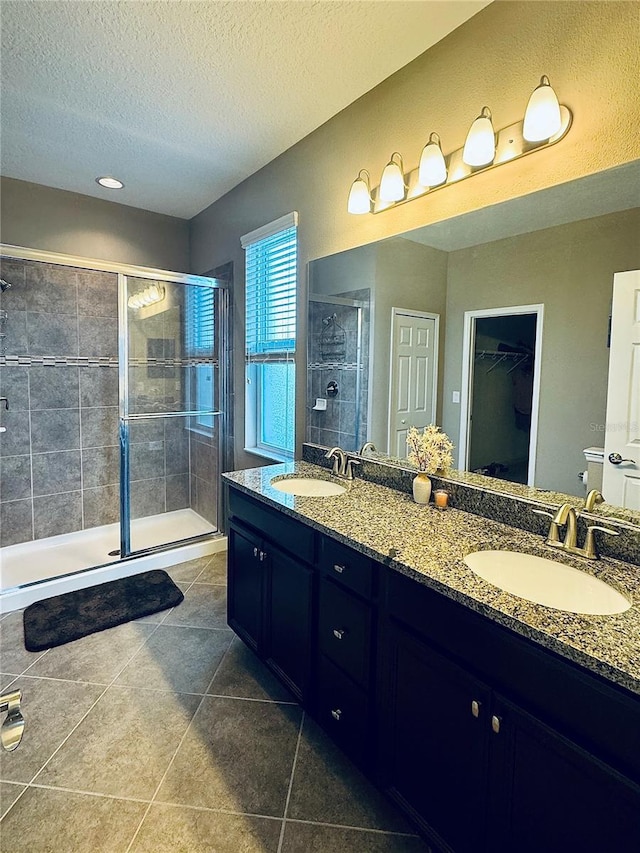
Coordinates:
x,y
557,250
338,366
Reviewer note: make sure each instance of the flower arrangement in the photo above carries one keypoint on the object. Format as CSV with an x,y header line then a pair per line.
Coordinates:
x,y
430,450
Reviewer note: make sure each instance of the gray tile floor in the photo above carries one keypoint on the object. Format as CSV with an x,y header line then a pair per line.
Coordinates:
x,y
167,734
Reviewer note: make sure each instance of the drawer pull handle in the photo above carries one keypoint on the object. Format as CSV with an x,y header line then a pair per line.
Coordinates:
x,y
338,633
263,556
255,552
475,708
336,714
495,724
338,568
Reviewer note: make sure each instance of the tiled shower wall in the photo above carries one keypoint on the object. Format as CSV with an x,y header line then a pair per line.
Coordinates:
x,y
59,456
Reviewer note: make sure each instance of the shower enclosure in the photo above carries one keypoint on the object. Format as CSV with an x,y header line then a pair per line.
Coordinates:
x,y
116,384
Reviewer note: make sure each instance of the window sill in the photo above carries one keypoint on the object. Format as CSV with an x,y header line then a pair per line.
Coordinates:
x,y
266,454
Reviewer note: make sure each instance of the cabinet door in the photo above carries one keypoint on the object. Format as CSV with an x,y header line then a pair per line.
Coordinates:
x,y
550,795
435,737
245,592
289,619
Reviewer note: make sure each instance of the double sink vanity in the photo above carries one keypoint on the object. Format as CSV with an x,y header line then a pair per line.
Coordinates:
x,y
496,723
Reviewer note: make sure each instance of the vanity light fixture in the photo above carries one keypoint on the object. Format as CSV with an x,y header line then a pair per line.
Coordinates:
x,y
110,182
392,185
360,200
545,122
542,118
433,169
480,145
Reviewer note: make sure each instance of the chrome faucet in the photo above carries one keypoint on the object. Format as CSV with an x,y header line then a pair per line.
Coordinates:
x,y
342,465
566,515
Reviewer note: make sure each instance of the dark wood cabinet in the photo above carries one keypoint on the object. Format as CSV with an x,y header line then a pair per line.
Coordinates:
x,y
245,592
487,741
271,592
552,795
288,622
435,741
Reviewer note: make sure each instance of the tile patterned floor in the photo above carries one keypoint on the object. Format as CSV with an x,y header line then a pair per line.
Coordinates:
x,y
167,734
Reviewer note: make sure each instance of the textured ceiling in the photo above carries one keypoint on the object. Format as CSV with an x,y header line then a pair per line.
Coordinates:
x,y
183,100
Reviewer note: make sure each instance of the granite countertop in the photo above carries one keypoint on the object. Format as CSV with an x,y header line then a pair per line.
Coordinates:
x,y
430,546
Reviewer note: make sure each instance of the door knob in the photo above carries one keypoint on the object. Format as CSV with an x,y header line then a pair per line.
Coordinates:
x,y
616,459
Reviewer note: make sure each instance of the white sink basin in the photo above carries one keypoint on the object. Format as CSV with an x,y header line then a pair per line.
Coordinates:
x,y
308,487
547,582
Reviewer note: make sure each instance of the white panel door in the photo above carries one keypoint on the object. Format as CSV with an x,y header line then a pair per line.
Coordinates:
x,y
621,482
414,359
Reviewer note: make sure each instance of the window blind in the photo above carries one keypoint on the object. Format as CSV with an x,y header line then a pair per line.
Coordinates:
x,y
271,262
200,321
271,275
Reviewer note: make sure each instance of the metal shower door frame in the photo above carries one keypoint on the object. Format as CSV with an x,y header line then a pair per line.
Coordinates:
x,y
125,418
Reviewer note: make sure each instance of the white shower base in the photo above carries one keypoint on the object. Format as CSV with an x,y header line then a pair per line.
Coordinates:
x,y
31,571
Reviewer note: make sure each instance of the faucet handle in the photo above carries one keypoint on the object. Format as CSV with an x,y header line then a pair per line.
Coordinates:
x,y
349,467
543,512
590,549
553,536
603,529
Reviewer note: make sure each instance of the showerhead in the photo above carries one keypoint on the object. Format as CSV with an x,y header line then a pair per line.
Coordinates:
x,y
4,285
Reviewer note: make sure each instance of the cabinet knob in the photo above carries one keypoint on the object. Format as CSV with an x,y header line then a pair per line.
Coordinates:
x,y
495,724
255,552
338,633
263,556
336,714
475,708
338,568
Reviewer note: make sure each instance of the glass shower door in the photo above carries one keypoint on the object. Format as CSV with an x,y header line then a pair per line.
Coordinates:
x,y
169,410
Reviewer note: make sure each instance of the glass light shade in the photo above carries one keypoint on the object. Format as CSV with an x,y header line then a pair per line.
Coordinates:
x,y
392,186
542,117
359,196
480,145
433,169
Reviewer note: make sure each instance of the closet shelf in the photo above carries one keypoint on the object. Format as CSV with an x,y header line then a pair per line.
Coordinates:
x,y
502,356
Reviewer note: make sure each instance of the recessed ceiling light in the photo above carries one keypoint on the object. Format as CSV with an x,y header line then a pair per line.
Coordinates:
x,y
110,183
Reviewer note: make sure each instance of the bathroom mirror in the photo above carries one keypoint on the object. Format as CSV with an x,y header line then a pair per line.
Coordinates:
x,y
526,287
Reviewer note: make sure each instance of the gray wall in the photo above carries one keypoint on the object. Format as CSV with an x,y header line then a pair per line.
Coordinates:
x,y
38,217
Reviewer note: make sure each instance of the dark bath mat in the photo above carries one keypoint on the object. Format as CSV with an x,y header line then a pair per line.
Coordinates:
x,y
63,618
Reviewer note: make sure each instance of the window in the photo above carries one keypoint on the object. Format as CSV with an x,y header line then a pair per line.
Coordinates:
x,y
271,279
199,344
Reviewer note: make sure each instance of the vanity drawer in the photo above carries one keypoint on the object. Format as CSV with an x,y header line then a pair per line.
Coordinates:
x,y
344,629
288,534
347,567
343,710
